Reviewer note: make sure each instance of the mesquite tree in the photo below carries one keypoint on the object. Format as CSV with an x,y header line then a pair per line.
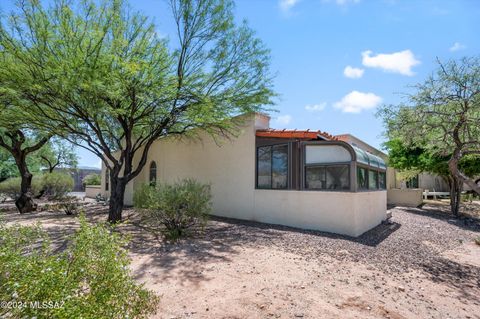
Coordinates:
x,y
412,160
99,76
17,137
443,116
57,153
20,142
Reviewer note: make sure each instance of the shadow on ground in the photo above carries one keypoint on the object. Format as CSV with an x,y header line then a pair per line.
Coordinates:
x,y
413,240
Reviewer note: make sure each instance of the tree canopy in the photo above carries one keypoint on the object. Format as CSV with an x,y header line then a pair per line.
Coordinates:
x,y
98,75
441,118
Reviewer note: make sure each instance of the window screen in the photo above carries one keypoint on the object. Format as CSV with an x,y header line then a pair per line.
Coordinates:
x,y
272,166
279,166
333,177
264,167
362,178
382,180
372,179
153,174
338,177
315,178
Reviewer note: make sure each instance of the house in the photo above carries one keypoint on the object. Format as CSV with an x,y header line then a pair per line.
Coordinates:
x,y
306,179
400,191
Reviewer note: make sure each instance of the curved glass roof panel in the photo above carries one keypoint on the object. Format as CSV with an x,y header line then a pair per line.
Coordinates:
x,y
369,159
381,163
362,156
373,160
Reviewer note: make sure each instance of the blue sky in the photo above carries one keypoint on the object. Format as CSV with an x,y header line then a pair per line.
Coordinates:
x,y
336,61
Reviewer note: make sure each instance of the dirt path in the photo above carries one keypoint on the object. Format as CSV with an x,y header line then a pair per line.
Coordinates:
x,y
422,265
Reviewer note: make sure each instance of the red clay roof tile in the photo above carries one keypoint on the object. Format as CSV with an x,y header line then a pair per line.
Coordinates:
x,y
301,134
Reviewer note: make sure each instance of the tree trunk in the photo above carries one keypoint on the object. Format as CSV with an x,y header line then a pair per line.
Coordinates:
x,y
455,195
117,192
25,202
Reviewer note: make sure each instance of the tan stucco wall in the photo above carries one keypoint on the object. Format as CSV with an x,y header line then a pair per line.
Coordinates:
x,y
229,166
91,191
405,197
337,212
432,183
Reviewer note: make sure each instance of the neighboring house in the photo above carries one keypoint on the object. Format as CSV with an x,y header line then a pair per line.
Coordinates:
x,y
306,179
78,174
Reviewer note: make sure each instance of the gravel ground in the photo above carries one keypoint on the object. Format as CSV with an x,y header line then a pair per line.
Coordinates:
x,y
414,238
423,264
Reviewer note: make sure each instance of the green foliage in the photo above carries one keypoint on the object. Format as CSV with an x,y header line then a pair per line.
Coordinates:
x,y
56,185
179,207
90,279
92,179
57,153
412,160
439,124
8,168
98,74
11,186
71,205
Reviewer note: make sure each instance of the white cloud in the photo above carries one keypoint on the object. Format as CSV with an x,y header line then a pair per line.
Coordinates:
x,y
353,73
398,62
346,2
284,119
355,102
286,5
457,46
316,107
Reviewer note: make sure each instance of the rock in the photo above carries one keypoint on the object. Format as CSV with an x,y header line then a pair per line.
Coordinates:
x,y
401,288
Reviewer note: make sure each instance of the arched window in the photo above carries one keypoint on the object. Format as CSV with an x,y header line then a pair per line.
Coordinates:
x,y
107,180
153,173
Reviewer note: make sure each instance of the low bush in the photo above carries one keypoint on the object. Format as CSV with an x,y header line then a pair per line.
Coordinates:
x,y
175,209
11,187
90,279
92,179
71,205
57,185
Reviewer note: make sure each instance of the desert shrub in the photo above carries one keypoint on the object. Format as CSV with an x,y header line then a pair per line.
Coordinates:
x,y
90,279
92,179
175,209
11,186
70,205
57,185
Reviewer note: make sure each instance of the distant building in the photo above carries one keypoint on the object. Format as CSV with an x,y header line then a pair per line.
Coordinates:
x,y
78,174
